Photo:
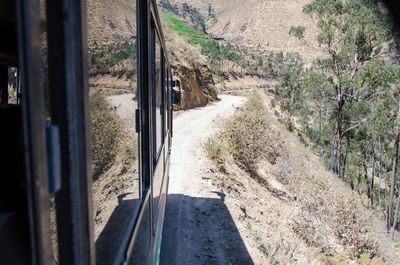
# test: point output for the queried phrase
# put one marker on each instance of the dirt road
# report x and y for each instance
(198, 226)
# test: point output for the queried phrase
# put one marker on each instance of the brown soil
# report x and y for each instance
(290, 214)
(116, 192)
(110, 21)
(263, 24)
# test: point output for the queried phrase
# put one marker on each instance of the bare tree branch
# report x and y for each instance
(355, 126)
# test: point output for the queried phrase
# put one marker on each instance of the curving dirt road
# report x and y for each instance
(198, 227)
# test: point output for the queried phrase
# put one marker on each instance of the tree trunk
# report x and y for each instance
(366, 176)
(345, 158)
(387, 215)
(372, 176)
(338, 139)
(392, 180)
(396, 214)
(378, 173)
(320, 123)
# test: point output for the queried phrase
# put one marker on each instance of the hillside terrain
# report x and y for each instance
(112, 54)
(255, 187)
(292, 210)
(321, 219)
(262, 24)
(191, 67)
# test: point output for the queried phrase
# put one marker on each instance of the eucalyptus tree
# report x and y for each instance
(289, 87)
(318, 88)
(352, 33)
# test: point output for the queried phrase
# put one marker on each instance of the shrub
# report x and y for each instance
(103, 58)
(249, 135)
(352, 231)
(106, 133)
(129, 149)
(246, 136)
(297, 32)
(214, 148)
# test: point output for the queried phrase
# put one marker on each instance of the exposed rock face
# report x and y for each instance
(197, 83)
(112, 54)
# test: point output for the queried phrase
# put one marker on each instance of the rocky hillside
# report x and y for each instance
(191, 67)
(261, 23)
(112, 50)
(104, 27)
(112, 53)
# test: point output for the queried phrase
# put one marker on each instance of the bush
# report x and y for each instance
(352, 231)
(214, 148)
(106, 134)
(249, 135)
(103, 58)
(129, 149)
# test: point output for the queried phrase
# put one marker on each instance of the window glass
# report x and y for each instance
(165, 99)
(46, 100)
(157, 98)
(112, 57)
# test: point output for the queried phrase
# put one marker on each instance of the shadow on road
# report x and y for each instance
(109, 241)
(196, 231)
(201, 231)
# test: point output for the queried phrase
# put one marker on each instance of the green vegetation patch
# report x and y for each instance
(347, 104)
(102, 58)
(181, 27)
(210, 47)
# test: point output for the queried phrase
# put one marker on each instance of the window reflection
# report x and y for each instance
(113, 86)
(157, 97)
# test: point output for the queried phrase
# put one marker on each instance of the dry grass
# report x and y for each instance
(106, 132)
(129, 150)
(263, 25)
(329, 222)
(294, 211)
(246, 136)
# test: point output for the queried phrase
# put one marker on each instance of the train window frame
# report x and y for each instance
(165, 96)
(69, 93)
(157, 129)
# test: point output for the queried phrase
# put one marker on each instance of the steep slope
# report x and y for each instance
(188, 64)
(111, 26)
(262, 23)
(293, 210)
(112, 52)
(104, 27)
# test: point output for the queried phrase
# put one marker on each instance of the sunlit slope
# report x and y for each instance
(110, 21)
(262, 23)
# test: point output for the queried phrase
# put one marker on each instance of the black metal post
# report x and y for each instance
(33, 126)
(4, 83)
(69, 107)
(145, 97)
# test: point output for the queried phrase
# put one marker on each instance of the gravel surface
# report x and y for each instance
(198, 227)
